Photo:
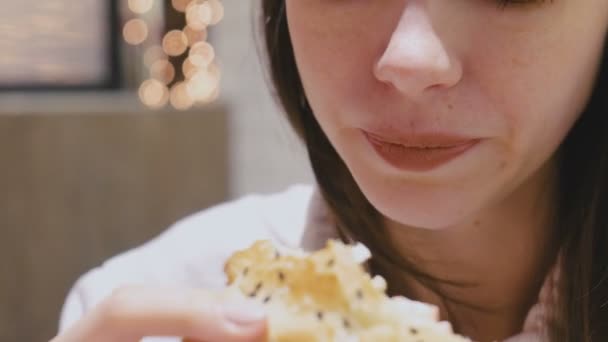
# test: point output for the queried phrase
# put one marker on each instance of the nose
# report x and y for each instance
(416, 59)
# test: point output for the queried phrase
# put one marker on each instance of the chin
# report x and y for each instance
(423, 216)
(436, 200)
(430, 221)
(423, 206)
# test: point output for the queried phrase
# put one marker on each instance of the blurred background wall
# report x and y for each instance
(262, 142)
(87, 171)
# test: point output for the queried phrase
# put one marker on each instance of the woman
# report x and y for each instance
(462, 141)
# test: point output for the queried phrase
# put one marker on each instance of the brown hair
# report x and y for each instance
(582, 218)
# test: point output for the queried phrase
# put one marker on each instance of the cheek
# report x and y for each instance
(539, 83)
(336, 59)
(525, 90)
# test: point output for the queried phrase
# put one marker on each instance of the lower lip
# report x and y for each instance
(418, 159)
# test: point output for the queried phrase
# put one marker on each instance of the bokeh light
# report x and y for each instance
(201, 74)
(202, 54)
(180, 5)
(214, 70)
(189, 69)
(135, 31)
(180, 98)
(217, 11)
(199, 15)
(202, 86)
(175, 43)
(214, 96)
(163, 71)
(154, 93)
(195, 36)
(141, 6)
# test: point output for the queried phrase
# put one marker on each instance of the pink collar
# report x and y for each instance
(534, 329)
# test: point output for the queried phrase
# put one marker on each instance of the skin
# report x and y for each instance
(133, 312)
(516, 77)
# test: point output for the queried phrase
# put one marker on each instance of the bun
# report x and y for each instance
(328, 296)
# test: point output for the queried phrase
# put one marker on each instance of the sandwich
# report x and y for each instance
(327, 296)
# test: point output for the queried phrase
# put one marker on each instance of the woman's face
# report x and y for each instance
(442, 108)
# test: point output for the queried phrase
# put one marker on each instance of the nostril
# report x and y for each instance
(413, 76)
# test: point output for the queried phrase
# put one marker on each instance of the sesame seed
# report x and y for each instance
(257, 289)
(359, 294)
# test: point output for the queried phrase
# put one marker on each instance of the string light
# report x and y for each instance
(199, 14)
(179, 98)
(195, 36)
(135, 31)
(163, 71)
(201, 73)
(217, 11)
(202, 86)
(175, 43)
(202, 54)
(188, 68)
(180, 5)
(154, 93)
(214, 70)
(141, 6)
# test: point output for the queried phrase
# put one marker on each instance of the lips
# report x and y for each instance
(419, 152)
(421, 141)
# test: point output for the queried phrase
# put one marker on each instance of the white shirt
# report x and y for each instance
(193, 251)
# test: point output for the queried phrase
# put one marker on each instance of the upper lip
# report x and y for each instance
(422, 140)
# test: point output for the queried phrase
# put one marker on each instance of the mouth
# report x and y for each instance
(421, 152)
(421, 141)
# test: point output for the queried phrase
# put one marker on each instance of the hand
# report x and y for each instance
(134, 312)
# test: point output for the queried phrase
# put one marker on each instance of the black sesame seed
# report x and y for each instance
(257, 289)
(346, 323)
(267, 299)
(281, 276)
(413, 331)
(320, 315)
(359, 294)
(331, 262)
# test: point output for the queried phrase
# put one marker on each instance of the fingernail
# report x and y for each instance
(244, 313)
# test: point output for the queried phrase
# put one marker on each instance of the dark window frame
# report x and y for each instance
(113, 79)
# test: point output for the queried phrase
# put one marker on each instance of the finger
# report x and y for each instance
(134, 312)
(526, 338)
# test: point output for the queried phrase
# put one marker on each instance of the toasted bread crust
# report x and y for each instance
(328, 296)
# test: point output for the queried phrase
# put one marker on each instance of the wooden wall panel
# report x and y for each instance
(76, 189)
